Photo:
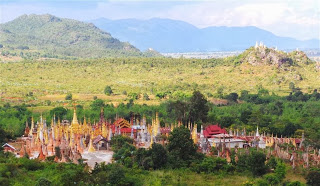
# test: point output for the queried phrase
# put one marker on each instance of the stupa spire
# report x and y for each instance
(74, 119)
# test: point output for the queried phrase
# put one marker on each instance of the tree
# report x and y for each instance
(244, 95)
(68, 96)
(198, 108)
(133, 95)
(256, 163)
(178, 110)
(159, 156)
(181, 147)
(59, 112)
(313, 178)
(97, 104)
(108, 91)
(232, 97)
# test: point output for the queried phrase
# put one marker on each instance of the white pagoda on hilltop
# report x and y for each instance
(259, 45)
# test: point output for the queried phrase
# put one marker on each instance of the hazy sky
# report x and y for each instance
(293, 18)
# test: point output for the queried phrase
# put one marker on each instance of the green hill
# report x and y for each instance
(34, 36)
(53, 79)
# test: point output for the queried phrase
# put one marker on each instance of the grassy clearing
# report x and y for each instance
(52, 80)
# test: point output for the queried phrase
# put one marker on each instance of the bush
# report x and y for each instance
(147, 163)
(272, 163)
(294, 183)
(313, 178)
(146, 96)
(280, 170)
(272, 179)
(31, 165)
(133, 95)
(211, 165)
(43, 182)
(108, 91)
(68, 96)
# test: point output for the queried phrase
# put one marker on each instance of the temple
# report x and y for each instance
(75, 140)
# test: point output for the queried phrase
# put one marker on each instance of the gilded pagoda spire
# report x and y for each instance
(32, 127)
(74, 119)
(91, 148)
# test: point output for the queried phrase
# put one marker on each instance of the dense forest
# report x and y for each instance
(46, 36)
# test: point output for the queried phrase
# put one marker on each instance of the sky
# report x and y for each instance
(299, 19)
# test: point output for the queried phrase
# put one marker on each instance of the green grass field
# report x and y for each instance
(52, 80)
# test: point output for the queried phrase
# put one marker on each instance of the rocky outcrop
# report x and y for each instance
(262, 55)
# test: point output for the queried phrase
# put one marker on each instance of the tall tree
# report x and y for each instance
(181, 147)
(198, 108)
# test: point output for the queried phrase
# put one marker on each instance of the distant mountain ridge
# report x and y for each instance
(166, 35)
(51, 36)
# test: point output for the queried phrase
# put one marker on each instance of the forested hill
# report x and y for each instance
(50, 36)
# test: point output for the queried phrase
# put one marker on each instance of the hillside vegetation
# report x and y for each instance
(53, 79)
(47, 36)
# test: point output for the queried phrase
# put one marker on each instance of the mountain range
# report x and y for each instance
(167, 35)
(51, 36)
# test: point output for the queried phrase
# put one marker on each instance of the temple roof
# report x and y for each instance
(122, 123)
(213, 130)
(8, 145)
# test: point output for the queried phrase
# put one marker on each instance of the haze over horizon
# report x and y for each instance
(297, 19)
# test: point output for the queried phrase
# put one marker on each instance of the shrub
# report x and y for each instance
(147, 163)
(146, 96)
(43, 182)
(210, 165)
(272, 179)
(294, 183)
(313, 178)
(108, 91)
(31, 165)
(133, 95)
(272, 163)
(68, 96)
(280, 170)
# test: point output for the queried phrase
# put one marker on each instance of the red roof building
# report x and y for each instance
(124, 125)
(213, 130)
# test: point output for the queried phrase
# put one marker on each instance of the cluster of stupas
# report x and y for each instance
(68, 141)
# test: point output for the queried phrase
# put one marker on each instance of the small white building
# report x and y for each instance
(227, 139)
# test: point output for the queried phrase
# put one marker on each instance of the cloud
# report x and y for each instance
(294, 18)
